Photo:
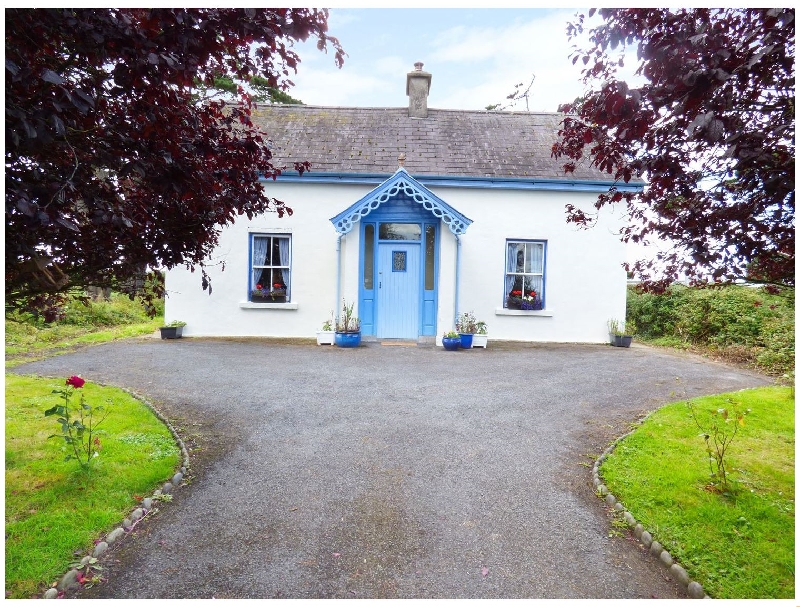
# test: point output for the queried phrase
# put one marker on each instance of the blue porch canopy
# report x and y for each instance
(401, 185)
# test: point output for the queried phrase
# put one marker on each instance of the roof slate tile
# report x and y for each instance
(459, 143)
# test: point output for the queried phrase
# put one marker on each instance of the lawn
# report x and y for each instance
(738, 544)
(53, 507)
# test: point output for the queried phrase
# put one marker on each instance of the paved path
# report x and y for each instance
(389, 471)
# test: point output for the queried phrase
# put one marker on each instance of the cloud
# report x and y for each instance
(500, 57)
(476, 58)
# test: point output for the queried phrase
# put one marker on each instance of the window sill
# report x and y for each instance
(249, 305)
(507, 312)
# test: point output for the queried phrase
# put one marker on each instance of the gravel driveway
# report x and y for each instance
(401, 471)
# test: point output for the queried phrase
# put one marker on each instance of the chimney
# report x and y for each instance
(418, 84)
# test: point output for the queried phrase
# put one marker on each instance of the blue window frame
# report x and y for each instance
(270, 268)
(525, 274)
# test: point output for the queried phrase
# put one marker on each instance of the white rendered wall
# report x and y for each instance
(585, 282)
(313, 290)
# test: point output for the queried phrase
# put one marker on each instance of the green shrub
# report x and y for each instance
(740, 323)
(118, 310)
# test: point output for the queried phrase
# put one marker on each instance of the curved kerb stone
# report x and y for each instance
(694, 589)
(69, 581)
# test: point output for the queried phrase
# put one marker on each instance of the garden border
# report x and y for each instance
(69, 581)
(655, 548)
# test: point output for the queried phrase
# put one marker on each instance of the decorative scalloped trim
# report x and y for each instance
(412, 190)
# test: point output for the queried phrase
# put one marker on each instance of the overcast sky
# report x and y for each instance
(476, 57)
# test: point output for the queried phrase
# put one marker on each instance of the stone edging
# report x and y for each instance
(70, 580)
(694, 589)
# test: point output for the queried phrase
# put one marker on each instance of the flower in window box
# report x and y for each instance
(516, 300)
(276, 294)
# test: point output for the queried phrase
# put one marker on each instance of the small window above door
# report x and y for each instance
(400, 231)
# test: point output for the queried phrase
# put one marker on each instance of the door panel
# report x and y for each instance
(398, 290)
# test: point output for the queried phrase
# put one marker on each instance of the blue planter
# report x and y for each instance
(466, 340)
(451, 343)
(347, 340)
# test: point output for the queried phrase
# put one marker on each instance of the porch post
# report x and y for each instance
(458, 277)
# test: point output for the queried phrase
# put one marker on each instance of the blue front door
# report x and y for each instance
(398, 290)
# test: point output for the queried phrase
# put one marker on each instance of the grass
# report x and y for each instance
(738, 545)
(84, 324)
(53, 507)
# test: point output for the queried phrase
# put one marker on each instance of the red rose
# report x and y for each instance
(277, 285)
(516, 292)
(75, 381)
(258, 287)
(533, 293)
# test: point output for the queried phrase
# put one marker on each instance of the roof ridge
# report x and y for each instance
(294, 106)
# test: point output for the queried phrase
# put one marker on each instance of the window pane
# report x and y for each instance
(519, 251)
(400, 231)
(398, 261)
(534, 257)
(271, 267)
(430, 259)
(369, 252)
(260, 250)
(524, 277)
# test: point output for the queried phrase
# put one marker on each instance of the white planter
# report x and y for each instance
(325, 338)
(479, 341)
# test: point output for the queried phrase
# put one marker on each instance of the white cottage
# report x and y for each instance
(414, 215)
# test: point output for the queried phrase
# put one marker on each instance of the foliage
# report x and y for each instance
(467, 323)
(482, 328)
(176, 323)
(54, 509)
(740, 323)
(616, 328)
(711, 130)
(262, 291)
(517, 300)
(84, 321)
(112, 165)
(260, 90)
(718, 428)
(80, 433)
(737, 546)
(451, 335)
(347, 322)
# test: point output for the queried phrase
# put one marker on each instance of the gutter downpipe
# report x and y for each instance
(458, 277)
(338, 277)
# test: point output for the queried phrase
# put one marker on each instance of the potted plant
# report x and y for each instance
(173, 330)
(267, 294)
(348, 328)
(451, 340)
(481, 337)
(467, 326)
(517, 300)
(616, 333)
(327, 335)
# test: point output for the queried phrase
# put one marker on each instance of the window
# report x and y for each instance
(524, 288)
(270, 263)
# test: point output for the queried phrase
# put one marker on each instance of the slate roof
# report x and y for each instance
(447, 143)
